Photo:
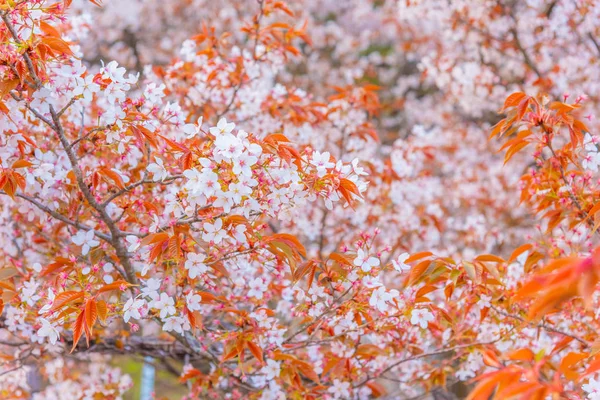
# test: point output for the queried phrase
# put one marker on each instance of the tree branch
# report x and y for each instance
(25, 55)
(61, 217)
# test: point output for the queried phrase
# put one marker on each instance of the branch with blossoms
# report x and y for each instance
(234, 209)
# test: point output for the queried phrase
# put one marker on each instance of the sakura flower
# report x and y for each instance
(86, 240)
(154, 93)
(365, 262)
(421, 317)
(192, 130)
(42, 100)
(592, 388)
(133, 241)
(322, 162)
(113, 71)
(229, 146)
(131, 309)
(257, 288)
(214, 232)
(271, 370)
(205, 182)
(340, 389)
(157, 169)
(48, 330)
(382, 299)
(192, 301)
(485, 300)
(239, 233)
(591, 160)
(195, 264)
(86, 88)
(237, 191)
(344, 324)
(224, 201)
(446, 335)
(108, 268)
(48, 305)
(357, 169)
(243, 164)
(399, 263)
(154, 225)
(176, 324)
(29, 292)
(222, 127)
(151, 288)
(165, 304)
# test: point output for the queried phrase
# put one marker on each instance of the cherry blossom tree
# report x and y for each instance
(300, 199)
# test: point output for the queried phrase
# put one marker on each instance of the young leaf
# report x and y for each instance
(78, 327)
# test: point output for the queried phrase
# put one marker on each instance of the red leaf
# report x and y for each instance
(78, 327)
(418, 256)
(102, 310)
(256, 351)
(64, 298)
(58, 45)
(116, 285)
(91, 314)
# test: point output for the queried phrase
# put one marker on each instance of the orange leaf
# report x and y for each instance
(514, 150)
(340, 259)
(594, 366)
(425, 290)
(154, 238)
(520, 250)
(521, 355)
(58, 45)
(112, 175)
(78, 329)
(55, 266)
(65, 298)
(517, 388)
(91, 313)
(417, 271)
(569, 363)
(190, 374)
(483, 390)
(21, 164)
(377, 390)
(369, 350)
(418, 256)
(49, 29)
(144, 133)
(513, 100)
(102, 310)
(489, 258)
(256, 351)
(231, 354)
(116, 285)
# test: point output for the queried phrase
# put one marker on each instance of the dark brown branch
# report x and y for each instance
(593, 39)
(528, 61)
(419, 356)
(60, 217)
(116, 234)
(139, 183)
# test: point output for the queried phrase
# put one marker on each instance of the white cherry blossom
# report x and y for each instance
(86, 240)
(421, 317)
(364, 261)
